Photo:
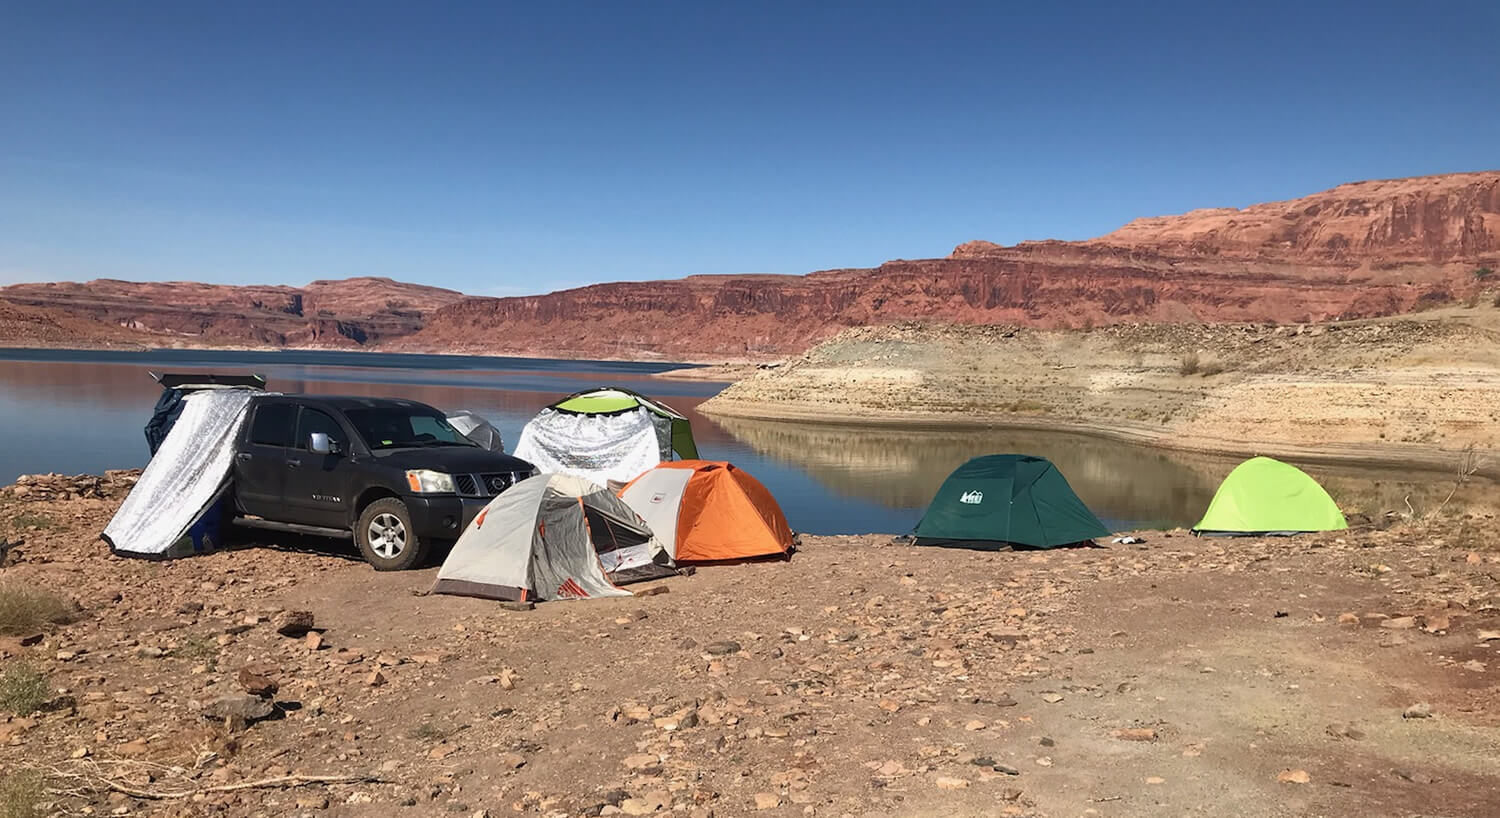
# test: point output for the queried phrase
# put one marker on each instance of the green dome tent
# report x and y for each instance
(1000, 500)
(1263, 496)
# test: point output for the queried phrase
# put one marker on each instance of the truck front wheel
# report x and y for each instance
(386, 538)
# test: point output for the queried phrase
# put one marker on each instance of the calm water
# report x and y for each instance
(75, 412)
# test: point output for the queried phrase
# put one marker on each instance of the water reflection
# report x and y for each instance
(71, 413)
(1126, 485)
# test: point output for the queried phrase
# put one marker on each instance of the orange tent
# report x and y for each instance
(704, 511)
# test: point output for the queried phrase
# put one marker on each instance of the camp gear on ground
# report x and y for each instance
(708, 511)
(168, 513)
(1265, 496)
(552, 536)
(474, 427)
(175, 387)
(1001, 500)
(605, 434)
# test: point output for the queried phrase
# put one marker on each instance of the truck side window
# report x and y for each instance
(273, 424)
(316, 420)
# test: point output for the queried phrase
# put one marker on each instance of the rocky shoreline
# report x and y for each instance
(1414, 393)
(1347, 673)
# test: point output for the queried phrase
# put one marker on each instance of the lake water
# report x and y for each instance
(82, 411)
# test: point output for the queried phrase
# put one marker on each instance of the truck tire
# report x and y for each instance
(386, 538)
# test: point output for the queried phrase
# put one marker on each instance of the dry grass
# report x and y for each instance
(23, 689)
(21, 794)
(1189, 364)
(26, 610)
(31, 520)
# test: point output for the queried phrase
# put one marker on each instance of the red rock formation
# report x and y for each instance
(1359, 250)
(1362, 249)
(349, 313)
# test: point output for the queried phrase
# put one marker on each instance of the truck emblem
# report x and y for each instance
(973, 498)
(497, 484)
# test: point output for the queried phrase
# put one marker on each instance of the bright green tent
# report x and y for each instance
(1000, 500)
(613, 399)
(1265, 496)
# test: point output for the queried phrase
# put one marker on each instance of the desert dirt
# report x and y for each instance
(1350, 673)
(1416, 390)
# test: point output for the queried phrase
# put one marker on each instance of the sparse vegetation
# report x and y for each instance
(25, 610)
(1484, 273)
(429, 731)
(199, 650)
(1211, 367)
(21, 794)
(1497, 300)
(23, 689)
(30, 520)
(1189, 364)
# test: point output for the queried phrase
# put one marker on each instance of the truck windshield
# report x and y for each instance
(402, 428)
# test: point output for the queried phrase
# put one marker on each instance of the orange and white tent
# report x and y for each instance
(706, 511)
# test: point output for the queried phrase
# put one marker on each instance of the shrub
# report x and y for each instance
(1211, 368)
(21, 794)
(1483, 273)
(23, 609)
(27, 519)
(23, 689)
(1189, 364)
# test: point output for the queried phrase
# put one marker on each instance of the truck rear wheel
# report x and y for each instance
(386, 538)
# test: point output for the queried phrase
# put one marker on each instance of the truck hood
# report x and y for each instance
(452, 460)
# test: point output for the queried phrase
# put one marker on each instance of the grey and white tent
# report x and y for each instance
(181, 489)
(552, 536)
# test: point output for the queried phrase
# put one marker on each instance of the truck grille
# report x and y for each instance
(486, 485)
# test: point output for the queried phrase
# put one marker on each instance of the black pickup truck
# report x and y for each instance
(392, 472)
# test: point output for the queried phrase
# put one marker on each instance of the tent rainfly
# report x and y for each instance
(706, 511)
(553, 536)
(1262, 496)
(1002, 500)
(606, 434)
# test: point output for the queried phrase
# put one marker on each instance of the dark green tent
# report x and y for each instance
(1001, 500)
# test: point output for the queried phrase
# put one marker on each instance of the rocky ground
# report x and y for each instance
(1345, 674)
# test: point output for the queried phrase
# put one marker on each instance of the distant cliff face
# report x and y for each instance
(1359, 250)
(348, 313)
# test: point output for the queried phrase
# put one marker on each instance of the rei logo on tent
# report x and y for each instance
(973, 498)
(570, 589)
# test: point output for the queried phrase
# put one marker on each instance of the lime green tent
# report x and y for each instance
(1001, 500)
(1265, 496)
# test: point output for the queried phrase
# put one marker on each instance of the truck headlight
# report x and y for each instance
(427, 481)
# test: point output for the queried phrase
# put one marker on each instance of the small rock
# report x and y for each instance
(510, 761)
(1135, 734)
(517, 606)
(257, 684)
(1399, 623)
(1420, 710)
(724, 648)
(293, 623)
(1293, 777)
(1348, 731)
(1052, 698)
(313, 640)
(976, 724)
(641, 761)
(1155, 779)
(238, 707)
(1348, 619)
(375, 679)
(767, 800)
(653, 590)
(945, 782)
(1414, 776)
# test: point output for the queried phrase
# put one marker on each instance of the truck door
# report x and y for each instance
(260, 464)
(317, 484)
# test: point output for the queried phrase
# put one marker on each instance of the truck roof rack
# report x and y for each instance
(202, 379)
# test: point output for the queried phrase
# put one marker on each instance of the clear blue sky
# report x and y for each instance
(500, 149)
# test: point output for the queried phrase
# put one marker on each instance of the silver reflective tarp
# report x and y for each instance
(474, 427)
(185, 478)
(601, 448)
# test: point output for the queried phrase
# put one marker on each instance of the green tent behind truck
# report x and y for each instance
(1263, 496)
(1002, 500)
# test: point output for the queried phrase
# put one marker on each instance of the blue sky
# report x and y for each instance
(506, 148)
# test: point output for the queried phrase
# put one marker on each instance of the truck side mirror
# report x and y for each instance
(320, 443)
